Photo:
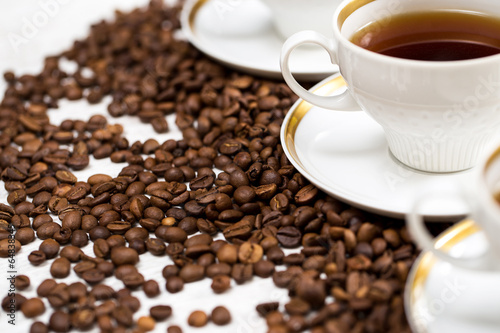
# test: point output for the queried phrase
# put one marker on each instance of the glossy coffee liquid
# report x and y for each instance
(433, 36)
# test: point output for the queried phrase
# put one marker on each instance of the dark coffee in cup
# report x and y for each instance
(432, 35)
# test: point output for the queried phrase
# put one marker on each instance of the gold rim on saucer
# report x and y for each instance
(327, 88)
(426, 261)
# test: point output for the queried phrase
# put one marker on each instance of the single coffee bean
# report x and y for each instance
(289, 237)
(60, 321)
(174, 284)
(146, 323)
(25, 235)
(22, 282)
(33, 307)
(133, 281)
(160, 312)
(174, 329)
(124, 256)
(265, 308)
(221, 316)
(60, 268)
(93, 276)
(250, 253)
(39, 327)
(197, 319)
(13, 301)
(46, 287)
(192, 273)
(151, 288)
(50, 247)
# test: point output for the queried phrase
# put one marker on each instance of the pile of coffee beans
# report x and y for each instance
(170, 200)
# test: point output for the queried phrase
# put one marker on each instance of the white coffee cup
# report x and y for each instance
(485, 212)
(437, 116)
(291, 16)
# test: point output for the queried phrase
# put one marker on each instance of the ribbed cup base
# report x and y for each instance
(437, 155)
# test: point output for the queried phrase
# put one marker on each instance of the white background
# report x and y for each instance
(71, 20)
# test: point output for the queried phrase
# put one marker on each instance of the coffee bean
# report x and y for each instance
(93, 276)
(249, 253)
(33, 307)
(160, 312)
(220, 283)
(13, 301)
(289, 237)
(60, 268)
(192, 273)
(197, 319)
(174, 284)
(124, 256)
(146, 323)
(39, 327)
(50, 248)
(264, 308)
(263, 268)
(45, 287)
(174, 329)
(22, 282)
(59, 321)
(25, 235)
(221, 316)
(151, 288)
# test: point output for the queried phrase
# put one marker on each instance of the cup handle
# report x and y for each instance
(342, 102)
(423, 238)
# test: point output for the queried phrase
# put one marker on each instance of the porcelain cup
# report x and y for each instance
(437, 116)
(482, 195)
(291, 16)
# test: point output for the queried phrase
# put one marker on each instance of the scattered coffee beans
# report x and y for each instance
(168, 201)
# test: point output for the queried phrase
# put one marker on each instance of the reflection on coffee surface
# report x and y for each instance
(433, 35)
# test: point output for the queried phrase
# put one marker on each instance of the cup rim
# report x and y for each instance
(395, 60)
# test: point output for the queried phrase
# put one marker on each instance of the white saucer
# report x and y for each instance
(346, 155)
(442, 298)
(240, 34)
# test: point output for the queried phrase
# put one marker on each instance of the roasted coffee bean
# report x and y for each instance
(192, 273)
(59, 321)
(25, 235)
(60, 268)
(72, 253)
(50, 247)
(242, 273)
(220, 283)
(133, 281)
(263, 268)
(8, 248)
(39, 327)
(151, 288)
(22, 282)
(33, 307)
(79, 238)
(220, 316)
(124, 256)
(13, 301)
(47, 230)
(264, 308)
(93, 276)
(160, 312)
(174, 284)
(174, 329)
(289, 237)
(250, 253)
(197, 319)
(101, 248)
(155, 246)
